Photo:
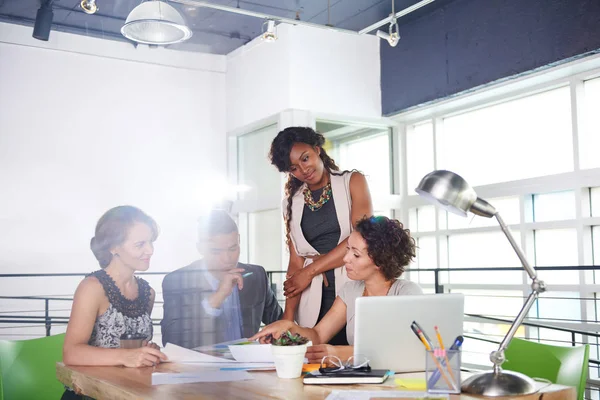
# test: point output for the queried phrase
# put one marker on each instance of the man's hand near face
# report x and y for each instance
(229, 279)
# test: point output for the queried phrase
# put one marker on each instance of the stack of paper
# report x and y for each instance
(182, 355)
(252, 352)
(159, 378)
(370, 394)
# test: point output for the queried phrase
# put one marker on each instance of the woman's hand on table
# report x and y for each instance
(152, 345)
(145, 356)
(316, 353)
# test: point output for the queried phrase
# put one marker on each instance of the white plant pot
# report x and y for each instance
(289, 360)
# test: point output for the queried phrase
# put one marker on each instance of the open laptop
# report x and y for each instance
(382, 328)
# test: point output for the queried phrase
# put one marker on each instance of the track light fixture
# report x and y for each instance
(392, 37)
(269, 35)
(43, 21)
(89, 6)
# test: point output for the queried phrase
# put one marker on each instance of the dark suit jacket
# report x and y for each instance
(185, 322)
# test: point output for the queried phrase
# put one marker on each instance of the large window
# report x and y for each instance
(518, 139)
(518, 152)
(419, 160)
(365, 149)
(258, 208)
(589, 135)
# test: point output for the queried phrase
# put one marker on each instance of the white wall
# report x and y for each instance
(335, 73)
(87, 124)
(306, 68)
(82, 131)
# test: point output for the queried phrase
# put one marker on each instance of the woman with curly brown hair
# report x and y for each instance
(376, 255)
(320, 207)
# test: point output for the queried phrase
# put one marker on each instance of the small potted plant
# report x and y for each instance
(288, 353)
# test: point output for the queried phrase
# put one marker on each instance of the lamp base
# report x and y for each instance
(503, 383)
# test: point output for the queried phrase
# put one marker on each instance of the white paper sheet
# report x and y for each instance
(160, 378)
(250, 353)
(182, 355)
(368, 394)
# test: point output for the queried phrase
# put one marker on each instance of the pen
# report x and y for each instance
(247, 274)
(418, 327)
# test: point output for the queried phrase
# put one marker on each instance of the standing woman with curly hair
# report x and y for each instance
(320, 208)
(377, 253)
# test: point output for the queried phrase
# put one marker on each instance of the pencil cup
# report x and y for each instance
(442, 371)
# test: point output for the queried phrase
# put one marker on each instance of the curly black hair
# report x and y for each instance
(280, 158)
(389, 245)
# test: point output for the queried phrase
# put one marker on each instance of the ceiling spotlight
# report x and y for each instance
(392, 37)
(269, 35)
(155, 22)
(43, 21)
(89, 6)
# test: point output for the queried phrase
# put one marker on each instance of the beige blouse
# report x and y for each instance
(354, 289)
(310, 301)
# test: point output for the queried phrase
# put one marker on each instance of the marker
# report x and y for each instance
(247, 274)
(457, 343)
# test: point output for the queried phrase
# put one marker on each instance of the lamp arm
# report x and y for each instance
(537, 287)
(497, 356)
(530, 271)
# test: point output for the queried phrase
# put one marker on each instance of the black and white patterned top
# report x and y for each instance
(123, 316)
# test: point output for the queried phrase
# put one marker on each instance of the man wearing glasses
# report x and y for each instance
(216, 299)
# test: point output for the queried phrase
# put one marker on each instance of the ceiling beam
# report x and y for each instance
(399, 14)
(235, 10)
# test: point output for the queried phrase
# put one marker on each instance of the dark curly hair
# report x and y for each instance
(389, 245)
(280, 158)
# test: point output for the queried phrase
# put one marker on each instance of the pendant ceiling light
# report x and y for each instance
(155, 22)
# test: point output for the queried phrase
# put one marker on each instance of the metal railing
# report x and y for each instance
(48, 320)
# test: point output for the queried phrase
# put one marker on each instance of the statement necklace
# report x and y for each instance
(315, 205)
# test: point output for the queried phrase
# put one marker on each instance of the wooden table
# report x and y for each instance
(136, 383)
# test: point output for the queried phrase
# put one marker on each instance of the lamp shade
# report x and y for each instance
(155, 22)
(448, 191)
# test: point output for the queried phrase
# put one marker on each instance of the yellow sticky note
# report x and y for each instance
(414, 384)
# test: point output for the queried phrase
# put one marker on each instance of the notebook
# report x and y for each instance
(347, 377)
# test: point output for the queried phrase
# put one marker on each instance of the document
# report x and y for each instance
(252, 352)
(370, 394)
(182, 355)
(160, 378)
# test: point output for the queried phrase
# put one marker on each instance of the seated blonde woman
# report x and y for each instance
(112, 302)
(377, 253)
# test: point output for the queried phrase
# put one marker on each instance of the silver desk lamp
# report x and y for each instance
(452, 193)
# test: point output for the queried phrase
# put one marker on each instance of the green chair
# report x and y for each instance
(562, 365)
(28, 368)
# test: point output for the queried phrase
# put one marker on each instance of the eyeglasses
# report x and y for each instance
(354, 363)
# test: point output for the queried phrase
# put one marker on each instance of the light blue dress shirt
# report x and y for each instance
(230, 309)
